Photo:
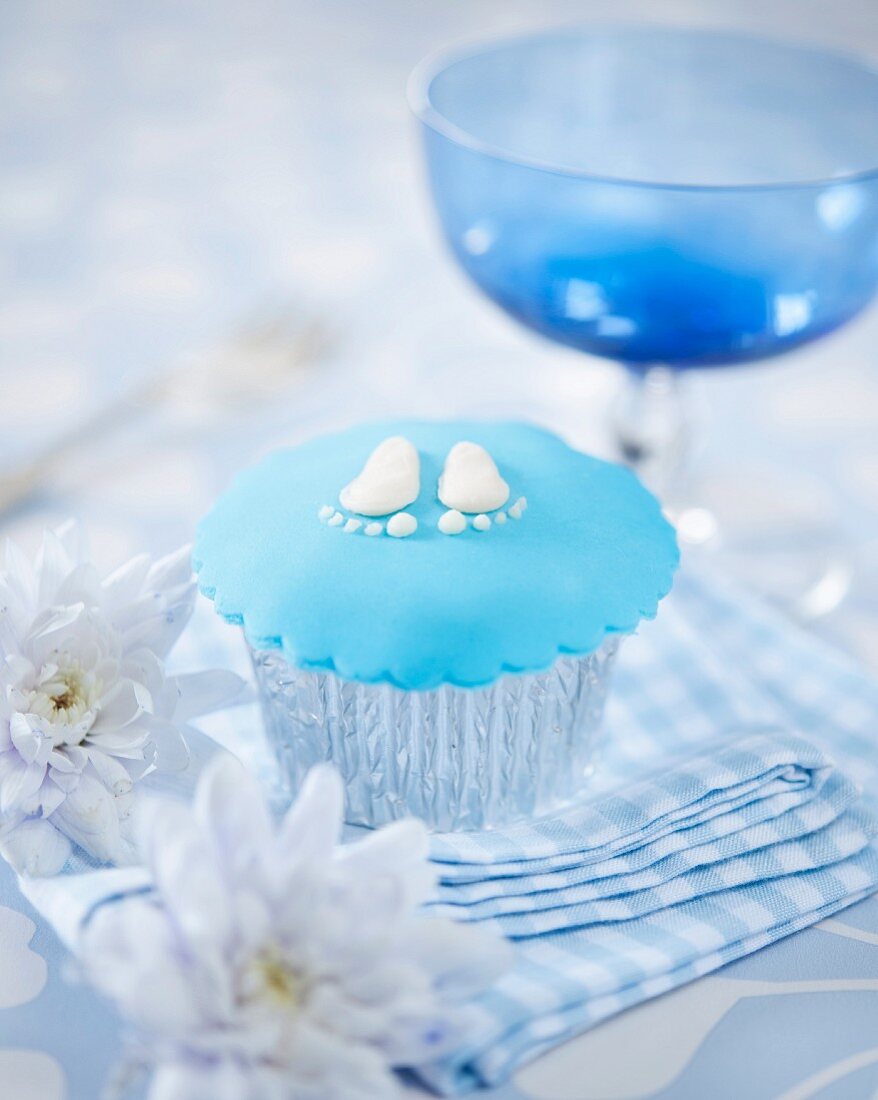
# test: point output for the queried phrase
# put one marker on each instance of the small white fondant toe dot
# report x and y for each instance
(325, 512)
(336, 519)
(452, 522)
(373, 529)
(482, 522)
(500, 517)
(402, 525)
(352, 525)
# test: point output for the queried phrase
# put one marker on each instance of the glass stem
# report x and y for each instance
(651, 427)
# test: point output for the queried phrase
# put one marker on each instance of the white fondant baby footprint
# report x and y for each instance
(470, 485)
(390, 480)
(470, 481)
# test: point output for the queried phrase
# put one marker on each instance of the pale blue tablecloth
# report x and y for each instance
(166, 173)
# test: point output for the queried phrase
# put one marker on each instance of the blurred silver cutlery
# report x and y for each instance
(266, 356)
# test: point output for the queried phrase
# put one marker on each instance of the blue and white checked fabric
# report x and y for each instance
(763, 808)
(730, 777)
(716, 824)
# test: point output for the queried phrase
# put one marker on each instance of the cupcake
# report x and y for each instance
(435, 607)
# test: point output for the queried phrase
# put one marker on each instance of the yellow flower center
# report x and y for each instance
(64, 696)
(271, 977)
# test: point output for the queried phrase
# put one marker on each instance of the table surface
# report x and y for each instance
(173, 175)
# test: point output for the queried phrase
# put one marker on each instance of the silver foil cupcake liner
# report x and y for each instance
(458, 758)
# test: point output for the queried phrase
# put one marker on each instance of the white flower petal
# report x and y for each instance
(463, 959)
(31, 741)
(8, 627)
(74, 539)
(66, 781)
(35, 848)
(123, 704)
(205, 692)
(51, 797)
(54, 619)
(253, 916)
(384, 979)
(312, 825)
(325, 1064)
(88, 815)
(143, 665)
(20, 577)
(138, 768)
(131, 954)
(110, 772)
(159, 631)
(16, 669)
(18, 781)
(171, 750)
(127, 744)
(52, 629)
(125, 584)
(402, 846)
(357, 1020)
(82, 585)
(231, 809)
(70, 759)
(199, 1081)
(144, 609)
(171, 571)
(53, 564)
(187, 873)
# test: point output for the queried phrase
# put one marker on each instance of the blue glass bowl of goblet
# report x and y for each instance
(678, 197)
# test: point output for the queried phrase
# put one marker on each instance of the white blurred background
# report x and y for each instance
(234, 190)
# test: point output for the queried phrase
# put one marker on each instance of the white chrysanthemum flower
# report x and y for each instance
(275, 963)
(86, 709)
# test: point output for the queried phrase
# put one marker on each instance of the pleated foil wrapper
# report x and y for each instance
(458, 758)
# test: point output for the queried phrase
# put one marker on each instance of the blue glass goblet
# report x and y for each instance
(670, 199)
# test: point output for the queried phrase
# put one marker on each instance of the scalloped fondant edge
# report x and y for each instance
(387, 676)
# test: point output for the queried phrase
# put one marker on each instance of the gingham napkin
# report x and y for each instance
(699, 841)
(715, 825)
(638, 891)
(763, 808)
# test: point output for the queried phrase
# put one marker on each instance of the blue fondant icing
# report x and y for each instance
(591, 556)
